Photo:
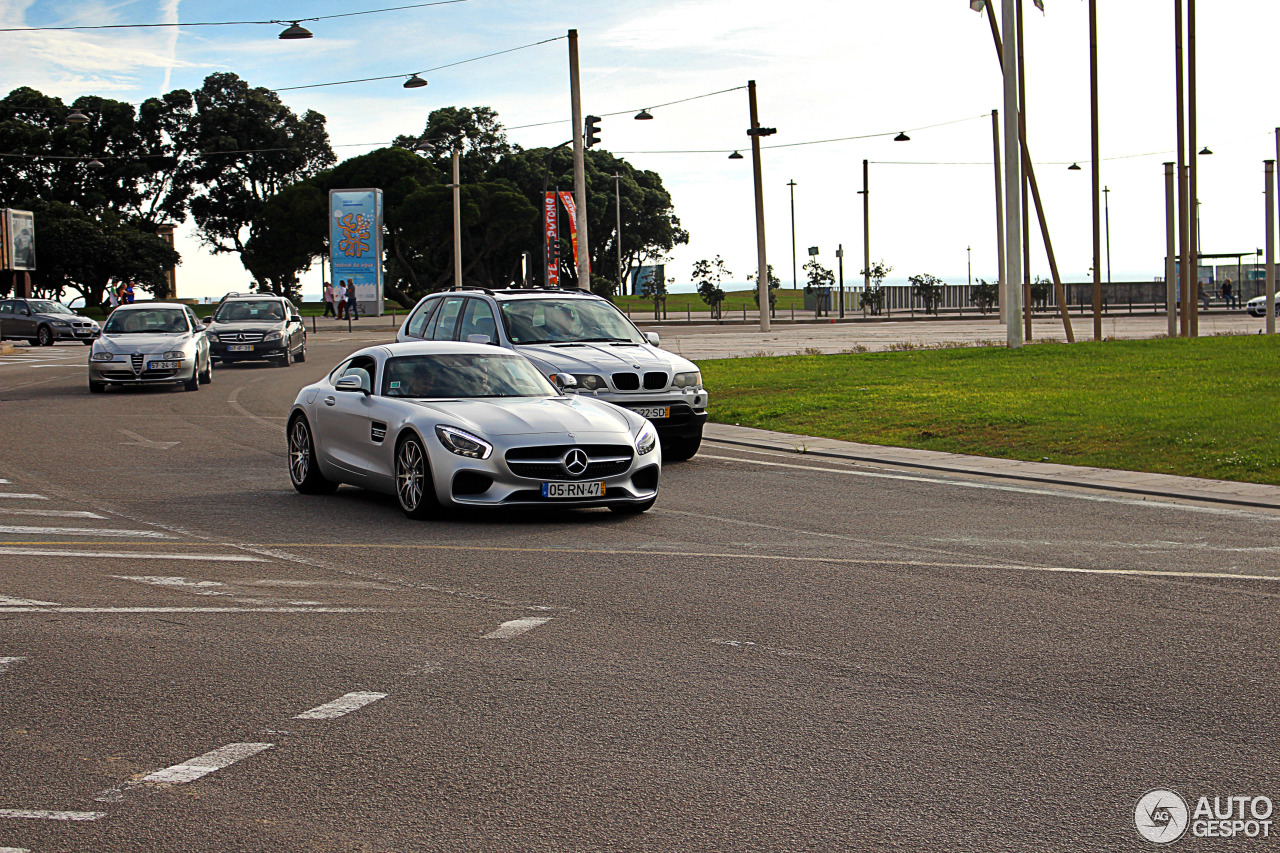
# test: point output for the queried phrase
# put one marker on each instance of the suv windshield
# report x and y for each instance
(552, 320)
(167, 321)
(255, 311)
(47, 306)
(460, 376)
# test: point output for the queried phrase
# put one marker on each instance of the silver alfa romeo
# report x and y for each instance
(467, 424)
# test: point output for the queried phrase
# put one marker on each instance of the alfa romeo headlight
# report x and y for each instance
(646, 440)
(463, 443)
(688, 380)
(273, 336)
(590, 381)
(103, 356)
(176, 355)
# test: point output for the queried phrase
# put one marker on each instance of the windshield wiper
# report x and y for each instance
(601, 340)
(625, 344)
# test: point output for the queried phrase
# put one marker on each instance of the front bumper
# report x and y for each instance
(76, 333)
(688, 411)
(122, 373)
(257, 350)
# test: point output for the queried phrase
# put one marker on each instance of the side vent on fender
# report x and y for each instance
(378, 432)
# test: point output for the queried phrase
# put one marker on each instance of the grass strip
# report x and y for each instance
(1204, 407)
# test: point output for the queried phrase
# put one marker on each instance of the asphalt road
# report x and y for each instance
(784, 654)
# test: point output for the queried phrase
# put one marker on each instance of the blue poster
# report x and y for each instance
(355, 244)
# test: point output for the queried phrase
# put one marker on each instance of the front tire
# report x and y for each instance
(681, 449)
(192, 384)
(302, 353)
(97, 387)
(304, 473)
(206, 376)
(415, 490)
(44, 336)
(287, 359)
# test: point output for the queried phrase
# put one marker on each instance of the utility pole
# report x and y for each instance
(1193, 197)
(840, 258)
(579, 166)
(762, 265)
(1184, 208)
(1170, 252)
(1026, 171)
(617, 202)
(1106, 209)
(1270, 170)
(969, 251)
(866, 239)
(457, 215)
(1096, 170)
(1012, 180)
(794, 274)
(1002, 279)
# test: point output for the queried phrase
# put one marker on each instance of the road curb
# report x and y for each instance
(6, 348)
(1104, 479)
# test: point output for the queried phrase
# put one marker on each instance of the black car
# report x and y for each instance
(43, 322)
(256, 326)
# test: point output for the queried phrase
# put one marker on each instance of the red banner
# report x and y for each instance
(572, 210)
(552, 246)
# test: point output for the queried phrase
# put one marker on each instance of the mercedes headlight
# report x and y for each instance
(590, 381)
(463, 443)
(103, 356)
(273, 336)
(688, 380)
(212, 336)
(646, 440)
(176, 355)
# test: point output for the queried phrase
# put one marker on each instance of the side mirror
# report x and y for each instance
(652, 338)
(478, 339)
(206, 320)
(25, 312)
(295, 318)
(351, 383)
(564, 380)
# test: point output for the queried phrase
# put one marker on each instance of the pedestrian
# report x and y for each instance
(128, 292)
(328, 300)
(340, 299)
(353, 307)
(113, 301)
(1226, 292)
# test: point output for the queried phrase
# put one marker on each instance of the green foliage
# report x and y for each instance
(928, 289)
(816, 275)
(708, 275)
(873, 297)
(984, 295)
(1040, 290)
(774, 284)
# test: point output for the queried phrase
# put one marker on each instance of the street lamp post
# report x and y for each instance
(969, 250)
(1106, 212)
(794, 274)
(617, 202)
(755, 131)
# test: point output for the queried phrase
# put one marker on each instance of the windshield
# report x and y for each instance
(461, 376)
(542, 321)
(141, 321)
(47, 306)
(261, 311)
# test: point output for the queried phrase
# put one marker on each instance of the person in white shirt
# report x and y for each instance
(328, 300)
(340, 299)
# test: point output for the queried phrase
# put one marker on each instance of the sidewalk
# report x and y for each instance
(1127, 482)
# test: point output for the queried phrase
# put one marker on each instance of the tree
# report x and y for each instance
(475, 130)
(252, 147)
(873, 297)
(774, 284)
(928, 289)
(984, 295)
(655, 287)
(1040, 291)
(708, 275)
(817, 275)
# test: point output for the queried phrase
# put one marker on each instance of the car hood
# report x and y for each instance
(246, 326)
(603, 357)
(144, 342)
(529, 416)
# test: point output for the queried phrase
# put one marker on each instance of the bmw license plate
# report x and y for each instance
(165, 365)
(593, 489)
(240, 348)
(652, 412)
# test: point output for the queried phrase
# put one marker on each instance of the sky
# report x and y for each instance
(825, 70)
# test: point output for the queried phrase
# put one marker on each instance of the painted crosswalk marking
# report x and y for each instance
(52, 513)
(295, 609)
(6, 601)
(23, 496)
(131, 555)
(82, 531)
(341, 706)
(516, 627)
(5, 663)
(189, 770)
(40, 814)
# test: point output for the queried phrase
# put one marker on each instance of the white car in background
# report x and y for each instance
(1257, 306)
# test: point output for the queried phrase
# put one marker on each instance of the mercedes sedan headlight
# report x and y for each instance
(646, 440)
(103, 356)
(688, 380)
(463, 443)
(273, 336)
(212, 336)
(176, 355)
(590, 381)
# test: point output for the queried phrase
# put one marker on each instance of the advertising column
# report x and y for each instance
(355, 244)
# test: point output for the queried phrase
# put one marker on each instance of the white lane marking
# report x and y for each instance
(23, 497)
(14, 850)
(341, 706)
(35, 814)
(941, 480)
(6, 601)
(57, 513)
(203, 765)
(3, 480)
(128, 555)
(139, 441)
(81, 531)
(516, 627)
(195, 610)
(234, 402)
(196, 587)
(5, 663)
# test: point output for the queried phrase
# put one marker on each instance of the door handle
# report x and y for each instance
(329, 401)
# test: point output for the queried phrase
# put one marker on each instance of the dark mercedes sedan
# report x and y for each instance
(256, 327)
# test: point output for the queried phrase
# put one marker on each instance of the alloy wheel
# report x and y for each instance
(299, 451)
(410, 475)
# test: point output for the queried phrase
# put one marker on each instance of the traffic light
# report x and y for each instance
(593, 130)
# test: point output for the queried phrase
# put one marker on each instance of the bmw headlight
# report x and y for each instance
(273, 336)
(176, 355)
(103, 356)
(463, 443)
(688, 380)
(646, 440)
(61, 323)
(590, 381)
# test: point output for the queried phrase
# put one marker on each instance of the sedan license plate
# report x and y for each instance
(593, 489)
(165, 365)
(239, 347)
(652, 412)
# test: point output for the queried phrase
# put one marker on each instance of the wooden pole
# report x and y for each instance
(1003, 277)
(1170, 252)
(1097, 168)
(579, 166)
(762, 263)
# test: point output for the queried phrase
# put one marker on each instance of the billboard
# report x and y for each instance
(355, 244)
(646, 280)
(17, 240)
(551, 239)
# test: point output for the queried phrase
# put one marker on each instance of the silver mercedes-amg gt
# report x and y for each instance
(467, 424)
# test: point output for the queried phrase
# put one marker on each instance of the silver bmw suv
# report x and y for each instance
(584, 344)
